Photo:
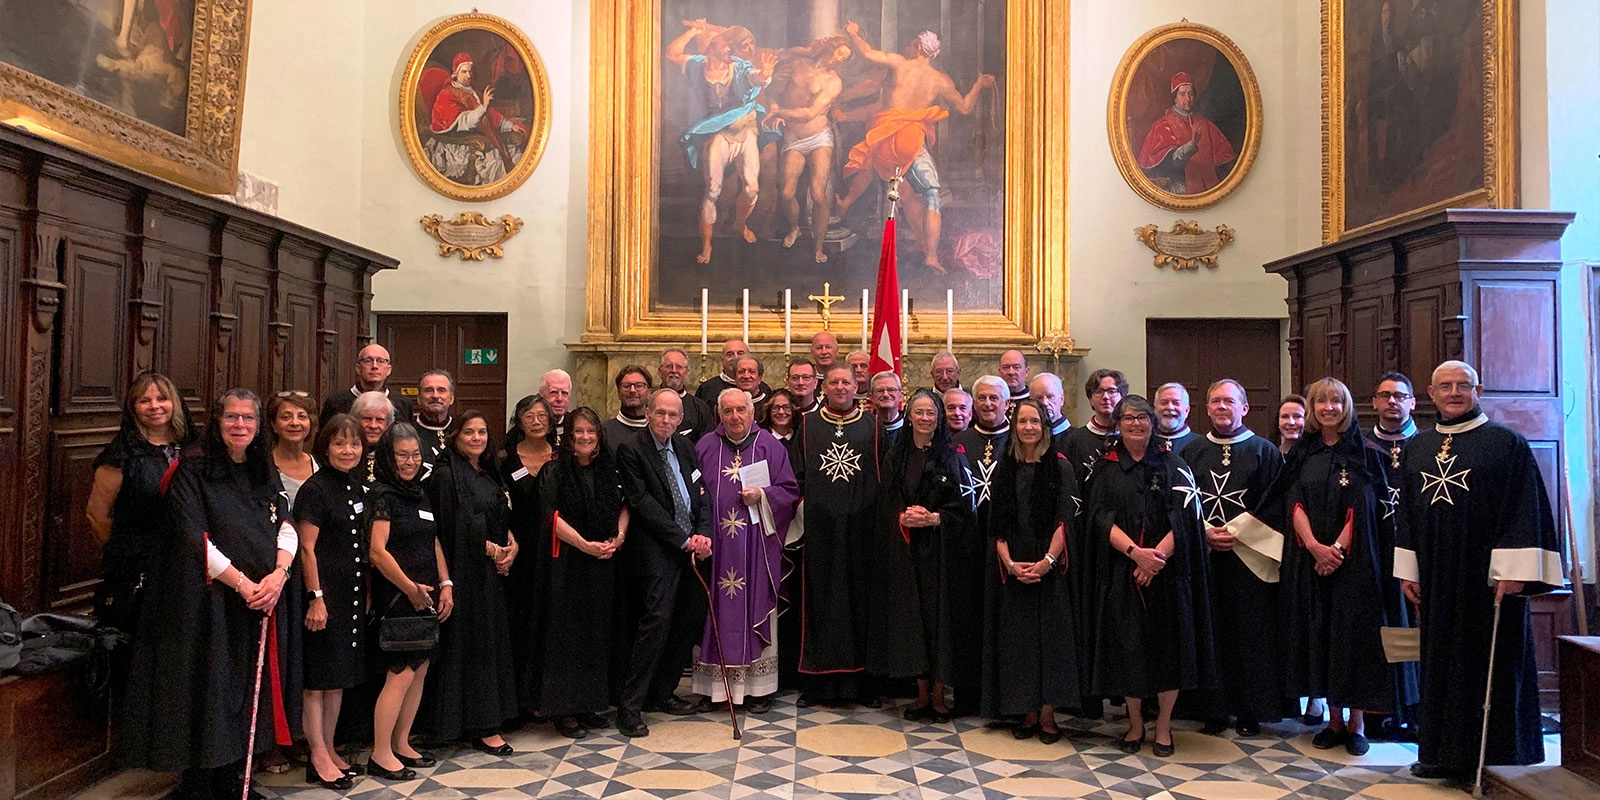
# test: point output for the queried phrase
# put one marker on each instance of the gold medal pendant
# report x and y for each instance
(1227, 455)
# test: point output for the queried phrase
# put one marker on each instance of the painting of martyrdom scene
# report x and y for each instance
(474, 101)
(782, 123)
(1414, 97)
(131, 55)
(1188, 126)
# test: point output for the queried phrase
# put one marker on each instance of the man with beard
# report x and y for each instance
(957, 410)
(946, 372)
(1105, 388)
(983, 445)
(1233, 468)
(861, 368)
(673, 370)
(633, 393)
(1046, 388)
(1014, 371)
(887, 397)
(798, 102)
(436, 394)
(1394, 401)
(824, 349)
(801, 380)
(747, 372)
(840, 449)
(555, 387)
(732, 351)
(1478, 529)
(1172, 418)
(372, 375)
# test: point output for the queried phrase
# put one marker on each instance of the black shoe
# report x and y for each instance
(673, 705)
(1432, 772)
(1131, 746)
(804, 701)
(872, 702)
(1049, 737)
(570, 728)
(940, 717)
(1024, 732)
(1215, 727)
(593, 721)
(355, 770)
(917, 713)
(1357, 745)
(758, 705)
(629, 724)
(1328, 738)
(502, 749)
(1248, 727)
(1160, 750)
(339, 784)
(377, 770)
(423, 760)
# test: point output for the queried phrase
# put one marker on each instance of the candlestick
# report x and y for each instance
(747, 317)
(705, 314)
(950, 320)
(865, 332)
(788, 325)
(905, 319)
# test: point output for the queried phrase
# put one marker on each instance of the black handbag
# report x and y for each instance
(406, 630)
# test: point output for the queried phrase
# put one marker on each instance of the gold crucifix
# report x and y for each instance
(826, 299)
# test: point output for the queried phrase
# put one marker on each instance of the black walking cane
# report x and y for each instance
(716, 636)
(255, 709)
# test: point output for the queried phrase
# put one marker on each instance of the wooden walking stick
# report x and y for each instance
(1488, 692)
(1575, 565)
(255, 709)
(716, 636)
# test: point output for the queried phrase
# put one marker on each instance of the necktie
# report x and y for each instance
(680, 508)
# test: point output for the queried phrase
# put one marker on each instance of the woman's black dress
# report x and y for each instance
(189, 696)
(522, 584)
(335, 657)
(578, 598)
(1332, 646)
(1155, 638)
(472, 686)
(135, 525)
(1031, 657)
(412, 533)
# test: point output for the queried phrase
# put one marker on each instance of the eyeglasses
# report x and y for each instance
(369, 360)
(886, 390)
(293, 394)
(633, 386)
(230, 417)
(1136, 418)
(1101, 391)
(785, 409)
(1387, 396)
(1461, 386)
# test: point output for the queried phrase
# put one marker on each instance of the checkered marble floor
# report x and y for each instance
(845, 754)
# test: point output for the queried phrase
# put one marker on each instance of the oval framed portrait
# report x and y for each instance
(474, 107)
(1184, 117)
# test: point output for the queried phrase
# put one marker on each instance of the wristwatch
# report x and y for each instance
(1129, 551)
(314, 594)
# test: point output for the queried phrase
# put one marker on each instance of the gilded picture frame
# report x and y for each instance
(1391, 151)
(625, 132)
(125, 55)
(1184, 116)
(460, 145)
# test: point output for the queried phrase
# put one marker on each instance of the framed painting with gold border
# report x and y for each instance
(1419, 110)
(997, 141)
(1184, 116)
(474, 107)
(158, 87)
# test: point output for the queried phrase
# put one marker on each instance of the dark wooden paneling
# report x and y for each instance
(1198, 352)
(1515, 335)
(185, 332)
(93, 345)
(1580, 705)
(72, 560)
(420, 342)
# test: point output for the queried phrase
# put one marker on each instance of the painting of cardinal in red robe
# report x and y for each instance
(1183, 150)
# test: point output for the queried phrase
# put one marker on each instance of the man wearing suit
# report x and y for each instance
(672, 523)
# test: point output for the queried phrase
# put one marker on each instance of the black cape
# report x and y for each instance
(1148, 639)
(983, 451)
(136, 530)
(522, 592)
(1332, 646)
(1476, 512)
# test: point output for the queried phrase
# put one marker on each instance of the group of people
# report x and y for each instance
(968, 547)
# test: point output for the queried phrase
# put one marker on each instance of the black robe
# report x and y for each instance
(1148, 639)
(698, 417)
(1394, 444)
(522, 595)
(190, 691)
(1475, 513)
(1177, 443)
(1030, 636)
(615, 430)
(789, 588)
(983, 451)
(340, 401)
(434, 443)
(472, 687)
(715, 385)
(1233, 474)
(912, 628)
(839, 481)
(1083, 447)
(1332, 647)
(136, 531)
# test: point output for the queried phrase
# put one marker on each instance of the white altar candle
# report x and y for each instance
(905, 319)
(788, 325)
(950, 320)
(705, 316)
(865, 330)
(747, 317)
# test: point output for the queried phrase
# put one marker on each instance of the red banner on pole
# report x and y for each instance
(886, 344)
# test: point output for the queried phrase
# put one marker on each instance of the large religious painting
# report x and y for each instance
(1184, 116)
(157, 85)
(474, 107)
(753, 144)
(1420, 109)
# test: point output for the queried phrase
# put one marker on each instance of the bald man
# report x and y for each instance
(372, 375)
(1014, 371)
(824, 350)
(732, 351)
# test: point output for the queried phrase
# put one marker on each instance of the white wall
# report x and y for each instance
(1276, 211)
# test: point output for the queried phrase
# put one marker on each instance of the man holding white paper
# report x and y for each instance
(1233, 468)
(753, 491)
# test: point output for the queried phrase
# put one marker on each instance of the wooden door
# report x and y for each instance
(1197, 352)
(422, 341)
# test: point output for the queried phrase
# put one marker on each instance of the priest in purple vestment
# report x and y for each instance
(753, 493)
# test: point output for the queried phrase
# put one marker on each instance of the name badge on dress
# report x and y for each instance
(694, 476)
(522, 472)
(358, 507)
(425, 514)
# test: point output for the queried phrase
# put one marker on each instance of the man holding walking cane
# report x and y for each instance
(1477, 539)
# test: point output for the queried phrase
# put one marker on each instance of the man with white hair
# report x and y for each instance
(1478, 532)
(1046, 388)
(946, 372)
(1172, 418)
(672, 371)
(555, 387)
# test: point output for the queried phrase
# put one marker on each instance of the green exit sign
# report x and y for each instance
(482, 355)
